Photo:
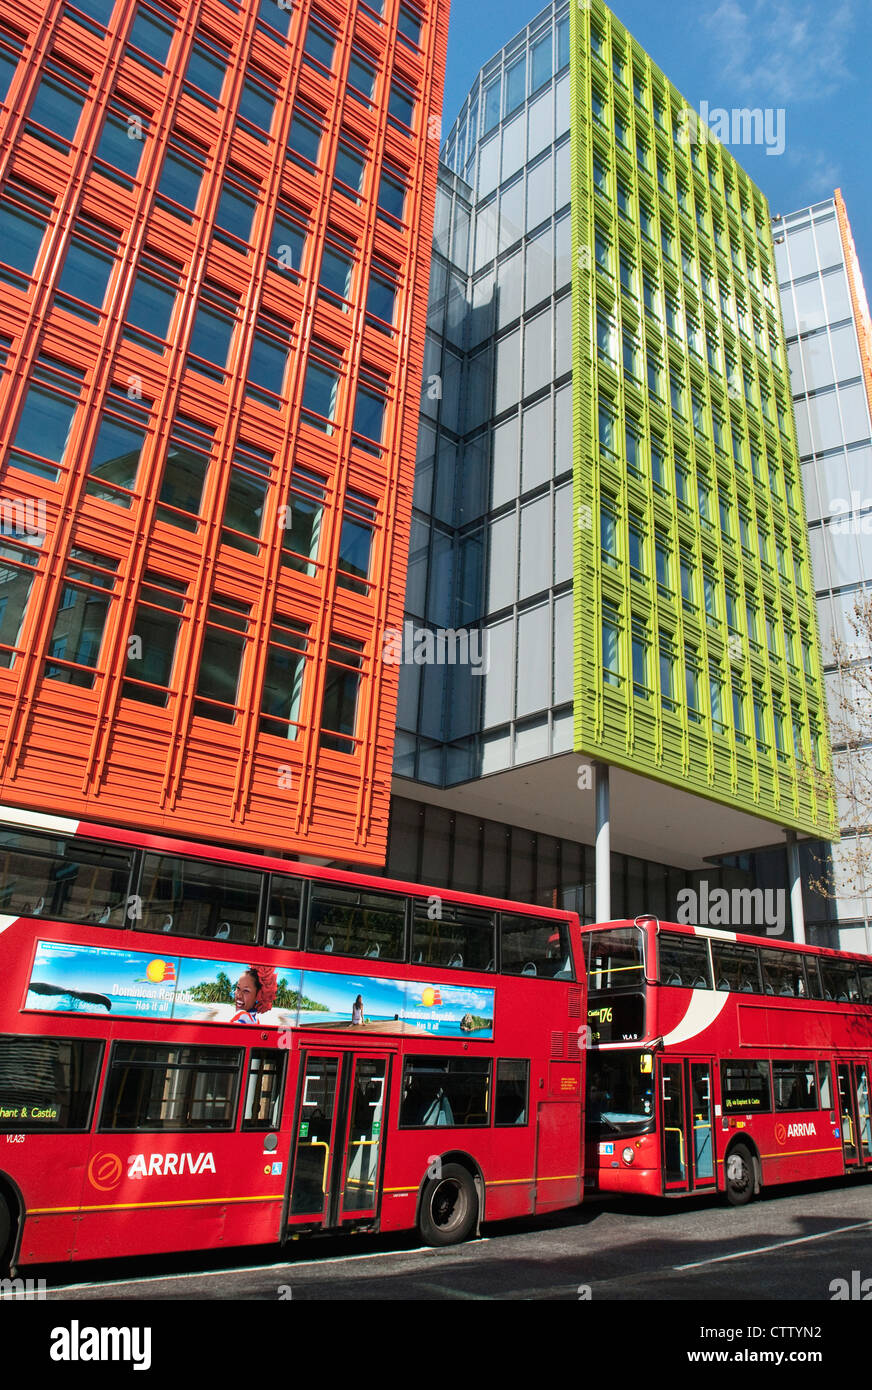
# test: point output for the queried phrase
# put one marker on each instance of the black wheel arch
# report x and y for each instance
(11, 1194)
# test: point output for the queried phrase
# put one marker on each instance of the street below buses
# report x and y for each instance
(811, 1242)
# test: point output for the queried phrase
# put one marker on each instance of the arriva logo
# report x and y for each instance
(800, 1130)
(166, 1165)
(105, 1169)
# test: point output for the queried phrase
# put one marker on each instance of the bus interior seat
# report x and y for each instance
(167, 924)
(456, 960)
(438, 1112)
(700, 982)
(373, 952)
(222, 931)
(530, 968)
(328, 944)
(724, 985)
(675, 979)
(491, 965)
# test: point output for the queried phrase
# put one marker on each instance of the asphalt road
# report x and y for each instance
(784, 1248)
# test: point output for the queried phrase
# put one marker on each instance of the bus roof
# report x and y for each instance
(723, 934)
(93, 830)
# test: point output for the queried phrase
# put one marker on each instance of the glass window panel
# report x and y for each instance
(319, 394)
(57, 107)
(745, 1086)
(737, 968)
(152, 660)
(304, 139)
(151, 305)
(85, 275)
(66, 880)
(47, 1083)
(462, 938)
(445, 1091)
(21, 235)
(171, 1089)
(684, 961)
(349, 921)
(535, 946)
(283, 680)
(189, 897)
(369, 413)
(44, 428)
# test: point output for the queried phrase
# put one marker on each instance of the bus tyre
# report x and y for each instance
(739, 1176)
(449, 1207)
(5, 1232)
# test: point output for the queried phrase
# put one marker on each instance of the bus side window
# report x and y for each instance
(194, 897)
(283, 922)
(264, 1089)
(812, 972)
(826, 1085)
(511, 1093)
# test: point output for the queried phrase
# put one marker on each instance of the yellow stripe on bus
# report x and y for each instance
(789, 1153)
(496, 1182)
(138, 1206)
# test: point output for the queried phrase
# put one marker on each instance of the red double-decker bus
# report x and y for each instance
(203, 1048)
(723, 1062)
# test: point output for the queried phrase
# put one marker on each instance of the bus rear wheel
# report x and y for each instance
(5, 1234)
(449, 1206)
(739, 1176)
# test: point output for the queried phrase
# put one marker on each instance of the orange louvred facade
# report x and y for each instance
(215, 232)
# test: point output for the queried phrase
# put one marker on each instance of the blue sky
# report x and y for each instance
(809, 57)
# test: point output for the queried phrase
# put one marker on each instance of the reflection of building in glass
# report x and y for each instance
(608, 488)
(213, 255)
(829, 345)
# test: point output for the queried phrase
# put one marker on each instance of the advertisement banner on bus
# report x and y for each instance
(133, 984)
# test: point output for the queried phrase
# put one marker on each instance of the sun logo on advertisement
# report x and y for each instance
(104, 1171)
(431, 998)
(160, 972)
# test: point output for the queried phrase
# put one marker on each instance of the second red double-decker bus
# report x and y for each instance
(723, 1062)
(204, 1048)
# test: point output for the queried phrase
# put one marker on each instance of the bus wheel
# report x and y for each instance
(739, 1174)
(449, 1206)
(5, 1231)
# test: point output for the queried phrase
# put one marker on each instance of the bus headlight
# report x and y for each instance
(628, 1155)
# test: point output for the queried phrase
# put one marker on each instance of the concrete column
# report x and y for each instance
(797, 915)
(603, 845)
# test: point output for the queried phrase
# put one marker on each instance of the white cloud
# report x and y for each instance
(780, 51)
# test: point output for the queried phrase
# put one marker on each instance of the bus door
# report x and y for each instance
(687, 1124)
(854, 1113)
(338, 1138)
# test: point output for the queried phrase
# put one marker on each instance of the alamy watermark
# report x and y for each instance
(853, 518)
(857, 1289)
(741, 125)
(441, 646)
(23, 516)
(31, 1290)
(731, 909)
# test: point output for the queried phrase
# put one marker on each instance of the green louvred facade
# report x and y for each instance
(697, 657)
